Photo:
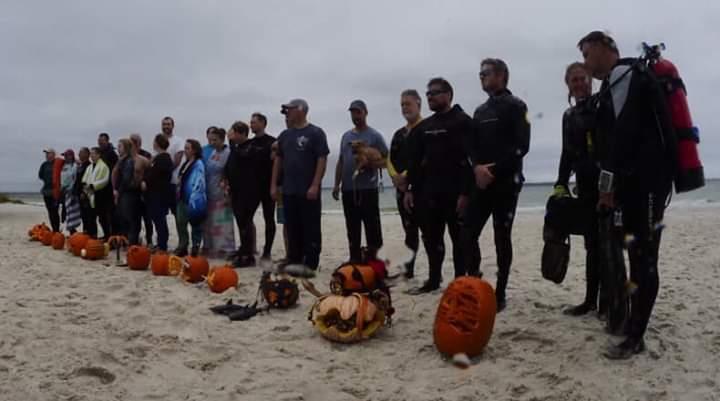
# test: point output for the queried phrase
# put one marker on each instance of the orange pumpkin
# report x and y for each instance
(93, 250)
(221, 279)
(37, 231)
(159, 264)
(351, 278)
(465, 317)
(47, 237)
(138, 257)
(58, 241)
(195, 269)
(347, 319)
(77, 243)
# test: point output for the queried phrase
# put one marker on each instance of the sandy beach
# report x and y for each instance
(79, 330)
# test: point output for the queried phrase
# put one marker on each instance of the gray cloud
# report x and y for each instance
(73, 69)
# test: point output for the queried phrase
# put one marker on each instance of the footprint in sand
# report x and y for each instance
(93, 371)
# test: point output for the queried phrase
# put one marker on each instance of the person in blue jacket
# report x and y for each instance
(192, 199)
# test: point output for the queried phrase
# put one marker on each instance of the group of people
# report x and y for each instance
(451, 171)
(206, 188)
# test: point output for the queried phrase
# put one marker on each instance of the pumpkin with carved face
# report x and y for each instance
(221, 279)
(347, 319)
(465, 317)
(194, 269)
(37, 231)
(279, 292)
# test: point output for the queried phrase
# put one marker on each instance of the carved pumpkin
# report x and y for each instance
(347, 319)
(138, 257)
(279, 292)
(159, 264)
(465, 317)
(94, 250)
(195, 269)
(47, 237)
(58, 241)
(77, 243)
(37, 231)
(175, 265)
(221, 279)
(350, 278)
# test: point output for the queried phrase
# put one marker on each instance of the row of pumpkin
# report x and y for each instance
(356, 307)
(192, 269)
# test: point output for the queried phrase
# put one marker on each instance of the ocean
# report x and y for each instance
(532, 197)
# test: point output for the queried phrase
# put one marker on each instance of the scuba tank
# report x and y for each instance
(690, 173)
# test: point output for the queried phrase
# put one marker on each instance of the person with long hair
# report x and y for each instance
(219, 240)
(191, 199)
(579, 156)
(67, 186)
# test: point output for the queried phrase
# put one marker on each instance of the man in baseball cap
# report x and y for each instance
(302, 158)
(300, 104)
(358, 182)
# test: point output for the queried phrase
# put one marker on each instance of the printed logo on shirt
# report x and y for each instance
(436, 131)
(302, 142)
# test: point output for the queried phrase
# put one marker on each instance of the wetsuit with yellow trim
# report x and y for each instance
(579, 156)
(398, 160)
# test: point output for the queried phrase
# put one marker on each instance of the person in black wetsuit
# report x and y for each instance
(146, 218)
(410, 103)
(439, 179)
(157, 191)
(496, 149)
(243, 182)
(637, 169)
(264, 142)
(579, 156)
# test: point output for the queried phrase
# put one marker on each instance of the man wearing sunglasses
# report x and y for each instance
(439, 178)
(496, 150)
(302, 158)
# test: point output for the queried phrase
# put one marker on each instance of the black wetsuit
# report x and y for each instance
(241, 173)
(265, 166)
(579, 156)
(438, 174)
(399, 157)
(641, 153)
(501, 136)
(129, 201)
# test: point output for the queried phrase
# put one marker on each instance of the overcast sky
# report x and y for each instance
(72, 69)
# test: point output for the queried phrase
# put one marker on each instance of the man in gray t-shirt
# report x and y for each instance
(301, 159)
(360, 182)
